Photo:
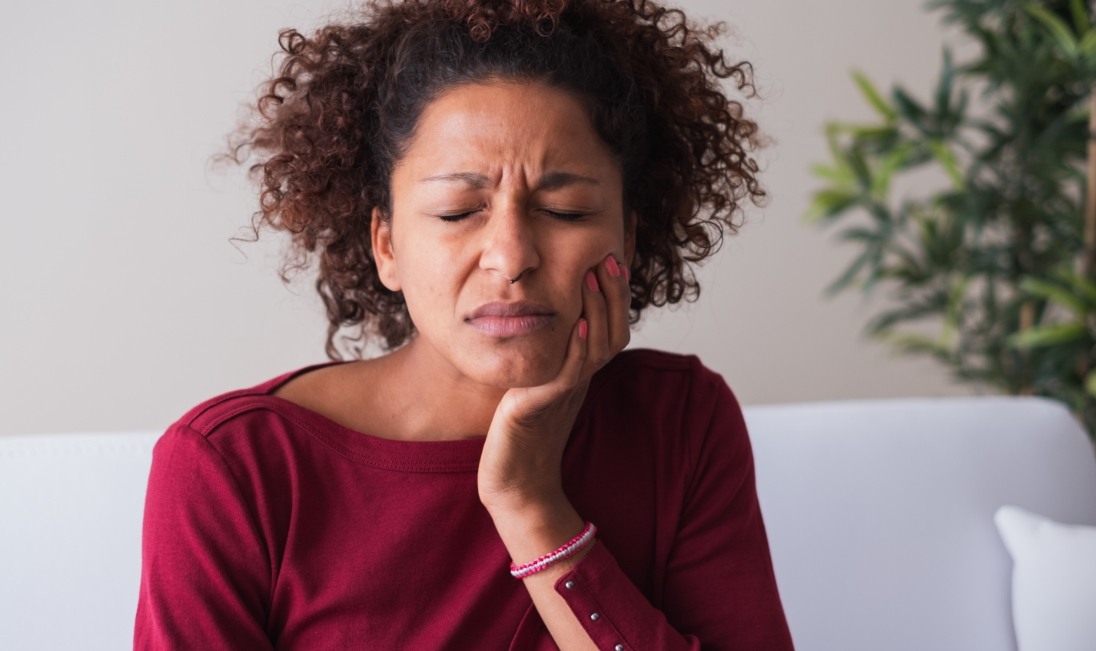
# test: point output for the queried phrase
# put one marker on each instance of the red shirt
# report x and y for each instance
(269, 526)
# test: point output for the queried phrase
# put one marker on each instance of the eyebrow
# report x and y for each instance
(550, 181)
(471, 178)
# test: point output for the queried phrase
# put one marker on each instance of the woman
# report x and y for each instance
(495, 189)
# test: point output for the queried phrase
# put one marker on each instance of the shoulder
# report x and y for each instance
(238, 440)
(667, 395)
(674, 403)
(654, 359)
(644, 373)
(213, 415)
(244, 431)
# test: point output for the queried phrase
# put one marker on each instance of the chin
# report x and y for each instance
(516, 370)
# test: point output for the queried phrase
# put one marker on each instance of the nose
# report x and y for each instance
(509, 244)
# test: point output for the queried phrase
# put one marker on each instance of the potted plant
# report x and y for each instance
(992, 270)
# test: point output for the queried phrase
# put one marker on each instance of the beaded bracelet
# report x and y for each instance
(544, 562)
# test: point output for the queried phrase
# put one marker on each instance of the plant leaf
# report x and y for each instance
(956, 293)
(1050, 335)
(836, 174)
(1055, 294)
(896, 159)
(1081, 22)
(1082, 292)
(859, 166)
(828, 203)
(944, 87)
(858, 234)
(1090, 383)
(946, 158)
(1088, 43)
(849, 276)
(1085, 288)
(1057, 27)
(868, 90)
(883, 323)
(875, 132)
(909, 108)
(911, 343)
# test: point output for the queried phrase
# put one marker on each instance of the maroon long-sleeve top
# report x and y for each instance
(268, 526)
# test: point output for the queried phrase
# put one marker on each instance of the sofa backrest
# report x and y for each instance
(70, 539)
(880, 513)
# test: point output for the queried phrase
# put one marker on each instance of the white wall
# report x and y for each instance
(123, 302)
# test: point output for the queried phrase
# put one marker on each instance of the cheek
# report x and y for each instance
(585, 255)
(425, 259)
(427, 276)
(593, 248)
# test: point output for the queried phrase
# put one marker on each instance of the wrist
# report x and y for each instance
(576, 547)
(522, 499)
(536, 530)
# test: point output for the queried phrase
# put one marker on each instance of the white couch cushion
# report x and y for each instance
(70, 539)
(1053, 581)
(879, 516)
(880, 513)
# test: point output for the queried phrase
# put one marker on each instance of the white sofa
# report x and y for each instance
(879, 516)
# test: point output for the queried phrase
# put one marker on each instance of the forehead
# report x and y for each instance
(505, 124)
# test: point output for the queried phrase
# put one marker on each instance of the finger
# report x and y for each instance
(519, 403)
(614, 284)
(570, 375)
(595, 312)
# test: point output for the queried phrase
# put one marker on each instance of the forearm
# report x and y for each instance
(528, 533)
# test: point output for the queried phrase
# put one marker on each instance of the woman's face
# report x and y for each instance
(501, 181)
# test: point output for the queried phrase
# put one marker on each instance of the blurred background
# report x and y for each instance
(124, 300)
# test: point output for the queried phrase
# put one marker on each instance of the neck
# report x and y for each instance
(437, 403)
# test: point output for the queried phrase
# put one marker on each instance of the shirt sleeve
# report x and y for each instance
(721, 590)
(204, 573)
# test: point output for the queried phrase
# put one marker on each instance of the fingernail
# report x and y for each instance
(591, 281)
(582, 329)
(612, 266)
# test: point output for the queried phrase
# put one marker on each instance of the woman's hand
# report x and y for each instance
(519, 470)
(520, 475)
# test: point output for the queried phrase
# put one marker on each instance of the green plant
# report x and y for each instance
(998, 259)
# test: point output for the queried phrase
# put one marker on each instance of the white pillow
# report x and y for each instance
(1053, 581)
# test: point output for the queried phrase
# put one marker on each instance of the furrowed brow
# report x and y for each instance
(468, 178)
(550, 181)
(556, 180)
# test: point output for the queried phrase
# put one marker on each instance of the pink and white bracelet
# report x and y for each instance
(544, 562)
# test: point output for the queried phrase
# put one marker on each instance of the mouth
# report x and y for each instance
(510, 319)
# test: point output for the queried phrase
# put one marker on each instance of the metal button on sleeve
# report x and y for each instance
(594, 617)
(619, 647)
(570, 585)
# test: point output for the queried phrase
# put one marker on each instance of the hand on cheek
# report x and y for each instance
(606, 298)
(520, 465)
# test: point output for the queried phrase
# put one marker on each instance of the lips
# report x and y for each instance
(510, 319)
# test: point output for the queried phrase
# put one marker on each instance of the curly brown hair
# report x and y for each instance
(337, 115)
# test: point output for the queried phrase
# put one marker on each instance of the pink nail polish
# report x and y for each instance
(591, 281)
(612, 267)
(582, 328)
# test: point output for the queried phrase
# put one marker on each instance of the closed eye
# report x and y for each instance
(564, 216)
(554, 214)
(456, 217)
